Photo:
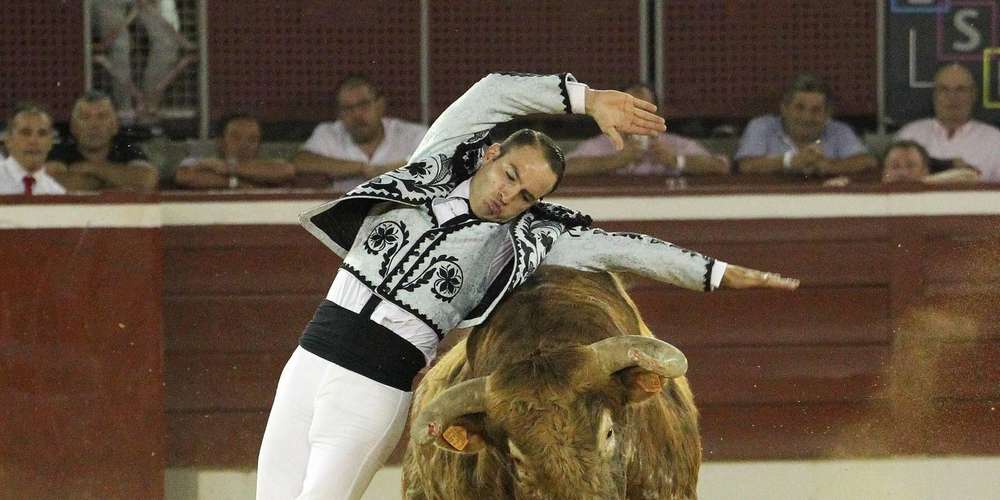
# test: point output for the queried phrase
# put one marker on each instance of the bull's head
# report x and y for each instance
(554, 421)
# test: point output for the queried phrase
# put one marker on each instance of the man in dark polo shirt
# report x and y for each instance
(95, 156)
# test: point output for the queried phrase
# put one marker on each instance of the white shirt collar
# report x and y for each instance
(16, 170)
(461, 190)
(961, 128)
(453, 205)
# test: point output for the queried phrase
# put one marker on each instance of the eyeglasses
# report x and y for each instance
(961, 89)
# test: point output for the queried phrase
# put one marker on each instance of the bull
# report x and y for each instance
(563, 394)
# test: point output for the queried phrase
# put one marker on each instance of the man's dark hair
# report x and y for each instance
(807, 82)
(29, 107)
(357, 80)
(92, 96)
(906, 144)
(550, 150)
(233, 117)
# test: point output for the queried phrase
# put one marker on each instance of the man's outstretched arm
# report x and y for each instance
(598, 250)
(498, 97)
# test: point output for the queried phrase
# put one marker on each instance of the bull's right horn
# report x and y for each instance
(657, 356)
(461, 399)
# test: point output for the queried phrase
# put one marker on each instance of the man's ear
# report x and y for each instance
(492, 153)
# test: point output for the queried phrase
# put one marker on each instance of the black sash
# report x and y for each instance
(355, 342)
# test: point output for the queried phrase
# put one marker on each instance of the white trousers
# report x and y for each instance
(329, 432)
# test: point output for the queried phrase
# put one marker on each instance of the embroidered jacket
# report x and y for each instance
(386, 233)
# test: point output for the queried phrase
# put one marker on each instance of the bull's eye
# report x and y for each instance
(610, 434)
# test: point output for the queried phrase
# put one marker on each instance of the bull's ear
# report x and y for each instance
(463, 435)
(640, 384)
(456, 413)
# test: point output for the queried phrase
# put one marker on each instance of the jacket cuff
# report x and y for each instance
(718, 270)
(577, 97)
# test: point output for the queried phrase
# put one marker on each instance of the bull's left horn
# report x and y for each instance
(461, 399)
(657, 356)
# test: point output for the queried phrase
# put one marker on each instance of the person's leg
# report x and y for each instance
(162, 54)
(356, 425)
(109, 17)
(284, 451)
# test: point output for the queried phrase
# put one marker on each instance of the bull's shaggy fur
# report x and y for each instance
(545, 400)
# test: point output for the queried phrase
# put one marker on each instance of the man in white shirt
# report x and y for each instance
(28, 139)
(363, 142)
(952, 137)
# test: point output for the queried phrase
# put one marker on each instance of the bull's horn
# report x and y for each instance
(461, 399)
(657, 356)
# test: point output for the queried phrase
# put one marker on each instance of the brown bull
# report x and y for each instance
(563, 394)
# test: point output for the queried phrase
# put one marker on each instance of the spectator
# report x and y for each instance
(952, 137)
(908, 161)
(28, 139)
(804, 140)
(362, 143)
(96, 156)
(666, 154)
(237, 164)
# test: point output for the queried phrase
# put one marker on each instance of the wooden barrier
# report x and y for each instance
(890, 346)
(81, 354)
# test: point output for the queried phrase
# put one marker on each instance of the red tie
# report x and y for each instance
(29, 185)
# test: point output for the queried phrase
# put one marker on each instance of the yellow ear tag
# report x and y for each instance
(649, 382)
(456, 436)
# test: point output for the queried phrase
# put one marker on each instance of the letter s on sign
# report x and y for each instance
(974, 38)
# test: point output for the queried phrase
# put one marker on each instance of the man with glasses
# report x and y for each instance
(953, 138)
(362, 143)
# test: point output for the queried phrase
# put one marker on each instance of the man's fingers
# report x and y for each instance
(774, 280)
(647, 119)
(615, 137)
(645, 105)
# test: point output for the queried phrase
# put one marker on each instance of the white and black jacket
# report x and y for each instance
(437, 271)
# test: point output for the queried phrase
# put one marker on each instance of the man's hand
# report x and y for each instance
(807, 158)
(742, 277)
(215, 165)
(663, 152)
(618, 113)
(631, 153)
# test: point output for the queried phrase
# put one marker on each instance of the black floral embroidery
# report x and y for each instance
(447, 275)
(387, 238)
(449, 280)
(413, 183)
(467, 155)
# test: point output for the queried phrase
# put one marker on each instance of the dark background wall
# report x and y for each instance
(282, 60)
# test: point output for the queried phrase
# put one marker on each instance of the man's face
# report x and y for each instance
(505, 186)
(804, 116)
(241, 140)
(904, 165)
(361, 111)
(954, 95)
(29, 139)
(94, 124)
